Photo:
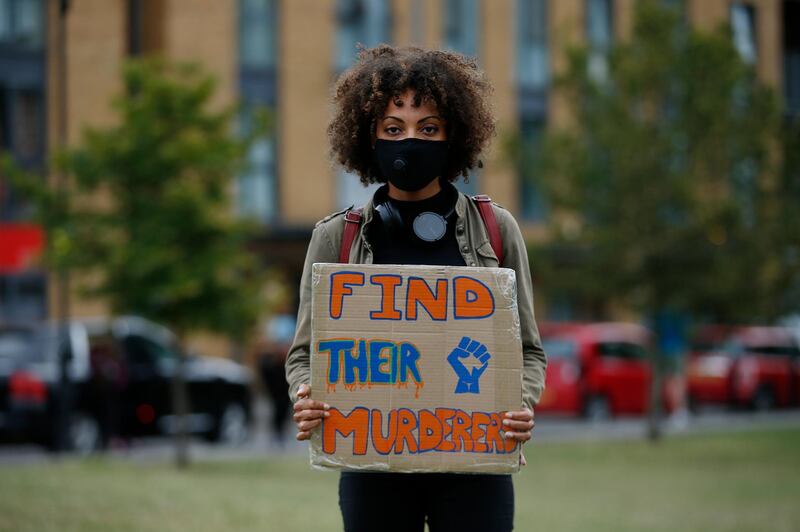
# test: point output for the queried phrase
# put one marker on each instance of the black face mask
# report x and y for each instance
(410, 164)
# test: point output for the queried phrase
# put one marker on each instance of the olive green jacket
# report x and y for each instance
(474, 243)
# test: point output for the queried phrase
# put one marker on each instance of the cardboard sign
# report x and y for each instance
(419, 365)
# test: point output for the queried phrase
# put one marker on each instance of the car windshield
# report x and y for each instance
(16, 344)
(732, 348)
(705, 347)
(35, 344)
(622, 350)
(559, 347)
(773, 350)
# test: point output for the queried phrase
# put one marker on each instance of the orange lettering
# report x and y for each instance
(420, 293)
(341, 286)
(383, 445)
(444, 415)
(494, 436)
(430, 431)
(388, 284)
(461, 424)
(479, 419)
(357, 424)
(472, 299)
(406, 423)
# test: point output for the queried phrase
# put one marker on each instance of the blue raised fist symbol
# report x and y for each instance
(468, 377)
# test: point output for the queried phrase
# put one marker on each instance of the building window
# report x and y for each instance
(369, 23)
(599, 37)
(366, 22)
(22, 93)
(257, 34)
(28, 125)
(257, 185)
(791, 56)
(22, 86)
(533, 63)
(23, 297)
(533, 83)
(22, 111)
(532, 202)
(460, 31)
(134, 28)
(743, 26)
(22, 134)
(22, 23)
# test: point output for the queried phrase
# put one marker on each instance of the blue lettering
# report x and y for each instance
(409, 357)
(336, 348)
(376, 360)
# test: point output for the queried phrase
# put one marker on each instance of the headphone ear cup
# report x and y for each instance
(390, 217)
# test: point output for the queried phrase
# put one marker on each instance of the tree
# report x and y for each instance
(668, 186)
(667, 191)
(147, 218)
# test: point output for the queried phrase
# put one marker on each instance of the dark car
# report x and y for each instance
(29, 390)
(744, 366)
(121, 373)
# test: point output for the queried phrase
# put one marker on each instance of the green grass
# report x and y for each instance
(743, 481)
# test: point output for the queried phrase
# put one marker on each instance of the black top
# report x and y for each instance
(396, 243)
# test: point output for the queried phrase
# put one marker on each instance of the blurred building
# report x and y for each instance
(285, 54)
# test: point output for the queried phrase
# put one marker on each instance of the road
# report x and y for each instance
(548, 430)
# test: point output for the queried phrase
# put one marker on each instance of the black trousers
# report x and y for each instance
(406, 501)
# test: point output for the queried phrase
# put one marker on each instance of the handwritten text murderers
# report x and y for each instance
(407, 431)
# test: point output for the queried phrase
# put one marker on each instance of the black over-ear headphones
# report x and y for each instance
(427, 226)
(390, 216)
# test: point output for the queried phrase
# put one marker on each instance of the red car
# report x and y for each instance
(598, 370)
(756, 367)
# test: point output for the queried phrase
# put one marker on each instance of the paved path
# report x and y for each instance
(548, 430)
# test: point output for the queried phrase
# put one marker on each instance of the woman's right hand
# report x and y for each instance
(308, 414)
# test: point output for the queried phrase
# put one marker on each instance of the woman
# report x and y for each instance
(417, 120)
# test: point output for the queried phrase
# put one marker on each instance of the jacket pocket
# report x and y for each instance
(486, 255)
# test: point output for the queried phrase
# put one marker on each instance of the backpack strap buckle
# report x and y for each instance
(352, 220)
(484, 204)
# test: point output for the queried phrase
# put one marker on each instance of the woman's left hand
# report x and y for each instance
(518, 425)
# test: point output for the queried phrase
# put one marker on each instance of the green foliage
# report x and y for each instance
(666, 192)
(147, 210)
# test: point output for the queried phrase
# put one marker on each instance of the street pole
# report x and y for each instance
(180, 406)
(63, 313)
(654, 429)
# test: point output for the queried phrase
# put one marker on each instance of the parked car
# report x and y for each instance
(121, 373)
(16, 344)
(597, 370)
(745, 366)
(29, 386)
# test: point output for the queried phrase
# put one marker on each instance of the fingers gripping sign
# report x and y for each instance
(468, 378)
(519, 425)
(308, 414)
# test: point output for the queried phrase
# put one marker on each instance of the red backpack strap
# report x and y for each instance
(484, 204)
(352, 221)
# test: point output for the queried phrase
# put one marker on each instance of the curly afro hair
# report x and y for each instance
(452, 81)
